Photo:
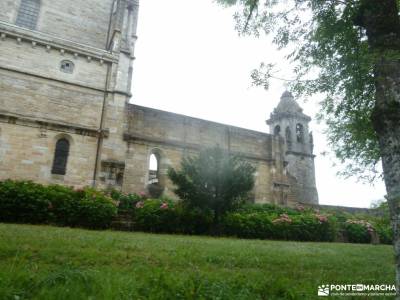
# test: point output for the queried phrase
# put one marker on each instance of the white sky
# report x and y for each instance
(190, 60)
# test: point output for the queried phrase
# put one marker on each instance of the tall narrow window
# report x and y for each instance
(300, 133)
(28, 14)
(155, 186)
(277, 130)
(60, 157)
(288, 135)
(153, 169)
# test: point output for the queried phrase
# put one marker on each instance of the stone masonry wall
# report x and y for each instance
(38, 61)
(80, 21)
(173, 136)
(27, 152)
(49, 100)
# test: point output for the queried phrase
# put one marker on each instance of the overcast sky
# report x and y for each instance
(190, 60)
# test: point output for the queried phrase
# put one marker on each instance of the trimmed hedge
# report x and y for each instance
(357, 233)
(167, 216)
(24, 202)
(264, 225)
(155, 215)
(126, 202)
(28, 202)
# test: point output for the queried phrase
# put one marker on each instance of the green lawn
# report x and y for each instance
(40, 262)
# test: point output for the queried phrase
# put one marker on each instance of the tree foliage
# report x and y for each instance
(213, 180)
(329, 54)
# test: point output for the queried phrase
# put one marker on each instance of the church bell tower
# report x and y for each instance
(289, 122)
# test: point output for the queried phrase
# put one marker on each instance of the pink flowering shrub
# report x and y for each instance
(321, 218)
(285, 226)
(95, 209)
(28, 202)
(164, 205)
(283, 218)
(358, 231)
(156, 215)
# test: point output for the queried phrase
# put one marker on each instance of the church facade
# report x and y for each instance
(66, 118)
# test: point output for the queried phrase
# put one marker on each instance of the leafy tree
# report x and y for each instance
(214, 180)
(348, 50)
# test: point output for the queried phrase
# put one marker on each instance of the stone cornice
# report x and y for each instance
(47, 124)
(300, 154)
(47, 41)
(276, 116)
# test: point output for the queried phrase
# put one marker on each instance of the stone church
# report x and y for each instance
(66, 117)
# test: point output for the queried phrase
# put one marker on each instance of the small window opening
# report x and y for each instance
(67, 66)
(300, 133)
(119, 178)
(277, 130)
(288, 136)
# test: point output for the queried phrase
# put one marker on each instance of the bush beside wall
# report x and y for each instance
(264, 225)
(28, 202)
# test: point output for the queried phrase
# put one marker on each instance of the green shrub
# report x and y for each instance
(264, 225)
(95, 210)
(261, 208)
(64, 205)
(24, 202)
(385, 233)
(357, 231)
(156, 215)
(248, 225)
(126, 202)
(214, 180)
(28, 202)
(194, 221)
(309, 227)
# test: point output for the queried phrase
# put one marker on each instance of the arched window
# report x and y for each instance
(300, 133)
(60, 157)
(277, 130)
(288, 136)
(155, 186)
(153, 169)
(28, 14)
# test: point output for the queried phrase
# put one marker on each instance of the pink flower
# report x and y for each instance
(321, 218)
(283, 218)
(164, 205)
(140, 204)
(363, 223)
(300, 207)
(142, 194)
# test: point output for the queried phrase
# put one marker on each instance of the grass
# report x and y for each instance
(41, 262)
